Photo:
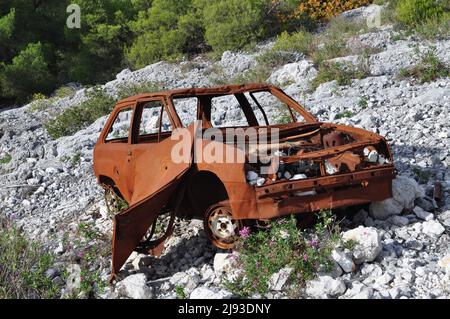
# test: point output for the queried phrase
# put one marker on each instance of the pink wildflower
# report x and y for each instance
(244, 232)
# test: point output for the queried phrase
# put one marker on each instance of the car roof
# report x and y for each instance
(218, 90)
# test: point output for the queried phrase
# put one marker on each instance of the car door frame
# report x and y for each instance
(115, 162)
(137, 149)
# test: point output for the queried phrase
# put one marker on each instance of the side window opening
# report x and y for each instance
(121, 127)
(276, 111)
(186, 109)
(154, 122)
(227, 112)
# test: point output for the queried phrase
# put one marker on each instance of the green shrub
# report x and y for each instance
(28, 73)
(363, 103)
(332, 43)
(167, 30)
(234, 24)
(412, 13)
(301, 42)
(75, 118)
(344, 114)
(342, 73)
(428, 69)
(265, 252)
(65, 91)
(39, 102)
(5, 159)
(23, 264)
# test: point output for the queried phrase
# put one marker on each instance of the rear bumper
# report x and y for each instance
(355, 188)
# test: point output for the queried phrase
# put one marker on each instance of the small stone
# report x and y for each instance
(368, 243)
(358, 291)
(73, 280)
(399, 220)
(51, 273)
(51, 170)
(222, 262)
(279, 279)
(325, 287)
(445, 263)
(251, 176)
(344, 260)
(60, 249)
(445, 218)
(432, 228)
(260, 181)
(208, 293)
(420, 213)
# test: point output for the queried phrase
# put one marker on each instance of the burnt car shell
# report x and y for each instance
(338, 166)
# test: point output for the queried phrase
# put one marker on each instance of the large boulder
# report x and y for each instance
(325, 287)
(135, 287)
(404, 191)
(368, 243)
(298, 72)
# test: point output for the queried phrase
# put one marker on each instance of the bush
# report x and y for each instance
(23, 264)
(301, 42)
(75, 118)
(167, 30)
(412, 13)
(27, 73)
(342, 73)
(428, 69)
(325, 10)
(235, 24)
(265, 252)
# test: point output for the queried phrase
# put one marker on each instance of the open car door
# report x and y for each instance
(152, 190)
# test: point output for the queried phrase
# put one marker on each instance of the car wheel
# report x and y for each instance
(220, 226)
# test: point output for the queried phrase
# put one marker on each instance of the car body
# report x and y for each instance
(318, 165)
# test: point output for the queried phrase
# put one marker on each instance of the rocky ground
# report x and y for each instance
(48, 187)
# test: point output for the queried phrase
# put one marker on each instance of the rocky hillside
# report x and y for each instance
(403, 244)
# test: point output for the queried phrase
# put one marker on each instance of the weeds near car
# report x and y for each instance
(263, 253)
(179, 290)
(91, 250)
(23, 264)
(344, 114)
(6, 159)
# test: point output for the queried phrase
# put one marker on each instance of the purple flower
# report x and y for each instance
(313, 243)
(305, 257)
(244, 232)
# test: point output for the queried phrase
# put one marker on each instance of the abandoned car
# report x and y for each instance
(309, 166)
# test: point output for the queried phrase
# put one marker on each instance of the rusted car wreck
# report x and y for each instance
(317, 165)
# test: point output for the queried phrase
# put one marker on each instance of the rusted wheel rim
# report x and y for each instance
(222, 228)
